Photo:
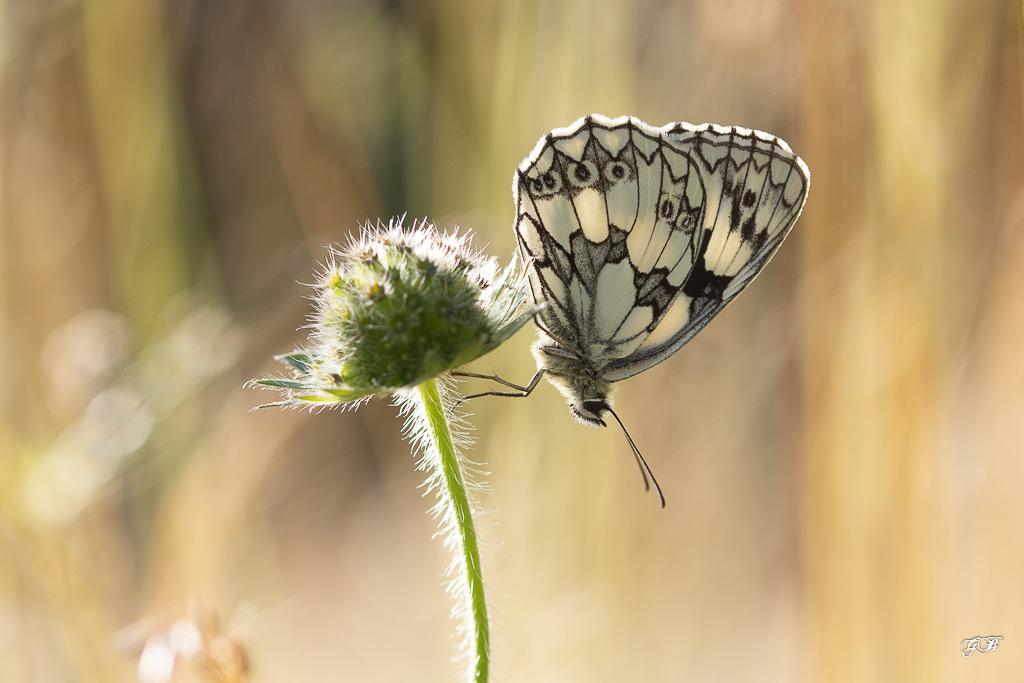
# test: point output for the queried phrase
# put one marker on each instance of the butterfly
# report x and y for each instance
(637, 237)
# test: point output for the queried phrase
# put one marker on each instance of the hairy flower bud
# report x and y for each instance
(397, 307)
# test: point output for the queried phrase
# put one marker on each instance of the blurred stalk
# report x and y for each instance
(91, 180)
(141, 162)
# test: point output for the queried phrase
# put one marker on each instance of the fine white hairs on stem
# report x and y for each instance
(429, 428)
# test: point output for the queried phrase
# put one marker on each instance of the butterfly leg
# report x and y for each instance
(519, 392)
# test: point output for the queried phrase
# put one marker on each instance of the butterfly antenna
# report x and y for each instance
(645, 469)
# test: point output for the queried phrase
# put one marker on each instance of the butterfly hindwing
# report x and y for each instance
(638, 236)
(755, 190)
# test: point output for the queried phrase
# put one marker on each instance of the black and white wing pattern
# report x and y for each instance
(639, 235)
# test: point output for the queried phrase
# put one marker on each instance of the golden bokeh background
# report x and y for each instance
(842, 449)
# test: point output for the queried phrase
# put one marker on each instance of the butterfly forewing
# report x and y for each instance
(638, 235)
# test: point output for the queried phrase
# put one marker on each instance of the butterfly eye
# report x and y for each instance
(616, 171)
(582, 174)
(590, 411)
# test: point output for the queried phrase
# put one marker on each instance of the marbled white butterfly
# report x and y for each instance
(637, 236)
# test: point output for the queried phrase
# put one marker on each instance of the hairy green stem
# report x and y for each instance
(454, 495)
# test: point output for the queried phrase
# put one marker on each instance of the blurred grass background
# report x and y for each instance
(842, 449)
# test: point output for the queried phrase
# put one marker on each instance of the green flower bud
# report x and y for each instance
(397, 307)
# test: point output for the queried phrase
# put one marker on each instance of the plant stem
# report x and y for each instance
(454, 495)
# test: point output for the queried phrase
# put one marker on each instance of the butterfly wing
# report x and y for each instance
(640, 235)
